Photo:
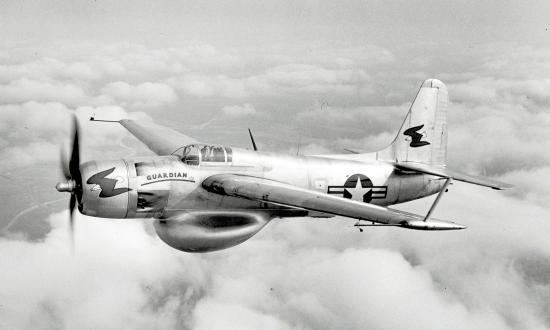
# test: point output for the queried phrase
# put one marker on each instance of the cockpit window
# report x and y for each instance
(195, 154)
(229, 154)
(212, 154)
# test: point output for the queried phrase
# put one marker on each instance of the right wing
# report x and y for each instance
(161, 140)
(279, 193)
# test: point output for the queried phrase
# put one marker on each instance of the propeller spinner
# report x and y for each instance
(71, 172)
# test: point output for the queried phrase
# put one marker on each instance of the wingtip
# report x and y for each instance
(460, 226)
(504, 186)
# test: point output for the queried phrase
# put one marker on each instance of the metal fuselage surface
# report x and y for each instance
(164, 186)
(192, 219)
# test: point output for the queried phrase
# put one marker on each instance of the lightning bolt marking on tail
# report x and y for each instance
(416, 138)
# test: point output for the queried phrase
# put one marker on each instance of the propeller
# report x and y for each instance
(71, 172)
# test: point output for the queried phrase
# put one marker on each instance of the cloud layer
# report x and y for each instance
(296, 273)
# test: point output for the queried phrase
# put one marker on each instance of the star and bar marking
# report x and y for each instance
(360, 188)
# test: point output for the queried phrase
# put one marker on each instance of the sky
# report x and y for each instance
(306, 76)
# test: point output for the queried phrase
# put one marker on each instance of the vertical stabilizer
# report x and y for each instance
(423, 136)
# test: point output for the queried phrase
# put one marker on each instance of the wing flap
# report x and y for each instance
(445, 172)
(270, 191)
(159, 139)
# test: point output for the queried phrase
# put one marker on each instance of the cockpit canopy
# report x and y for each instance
(195, 154)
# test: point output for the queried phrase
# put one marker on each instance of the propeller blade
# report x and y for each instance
(72, 204)
(71, 171)
(74, 163)
(64, 164)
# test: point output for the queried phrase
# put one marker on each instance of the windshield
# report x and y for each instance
(190, 155)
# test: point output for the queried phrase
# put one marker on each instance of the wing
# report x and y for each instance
(275, 192)
(159, 139)
(446, 172)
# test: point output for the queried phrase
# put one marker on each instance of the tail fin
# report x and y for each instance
(422, 137)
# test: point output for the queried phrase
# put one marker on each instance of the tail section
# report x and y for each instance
(422, 137)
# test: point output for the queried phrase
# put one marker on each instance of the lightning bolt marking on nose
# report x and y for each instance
(107, 185)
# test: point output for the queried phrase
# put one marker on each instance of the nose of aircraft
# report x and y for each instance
(68, 186)
(71, 172)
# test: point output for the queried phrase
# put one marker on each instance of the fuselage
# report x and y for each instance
(164, 186)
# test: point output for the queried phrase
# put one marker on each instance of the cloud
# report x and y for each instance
(530, 184)
(345, 122)
(316, 287)
(231, 316)
(338, 73)
(315, 79)
(60, 291)
(204, 85)
(490, 117)
(239, 110)
(296, 273)
(50, 68)
(32, 132)
(23, 90)
(146, 94)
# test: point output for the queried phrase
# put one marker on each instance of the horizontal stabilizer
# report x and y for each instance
(444, 172)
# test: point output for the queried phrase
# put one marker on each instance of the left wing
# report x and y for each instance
(275, 192)
(159, 139)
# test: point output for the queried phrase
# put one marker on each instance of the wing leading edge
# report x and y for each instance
(275, 192)
(161, 140)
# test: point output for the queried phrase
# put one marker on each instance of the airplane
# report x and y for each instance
(207, 197)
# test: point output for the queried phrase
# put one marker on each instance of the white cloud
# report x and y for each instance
(239, 110)
(499, 135)
(32, 132)
(312, 78)
(204, 85)
(50, 68)
(24, 90)
(276, 76)
(232, 316)
(95, 287)
(297, 273)
(530, 184)
(144, 95)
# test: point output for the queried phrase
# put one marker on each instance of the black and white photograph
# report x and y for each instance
(306, 164)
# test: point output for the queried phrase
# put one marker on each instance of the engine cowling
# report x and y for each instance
(105, 188)
(205, 231)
